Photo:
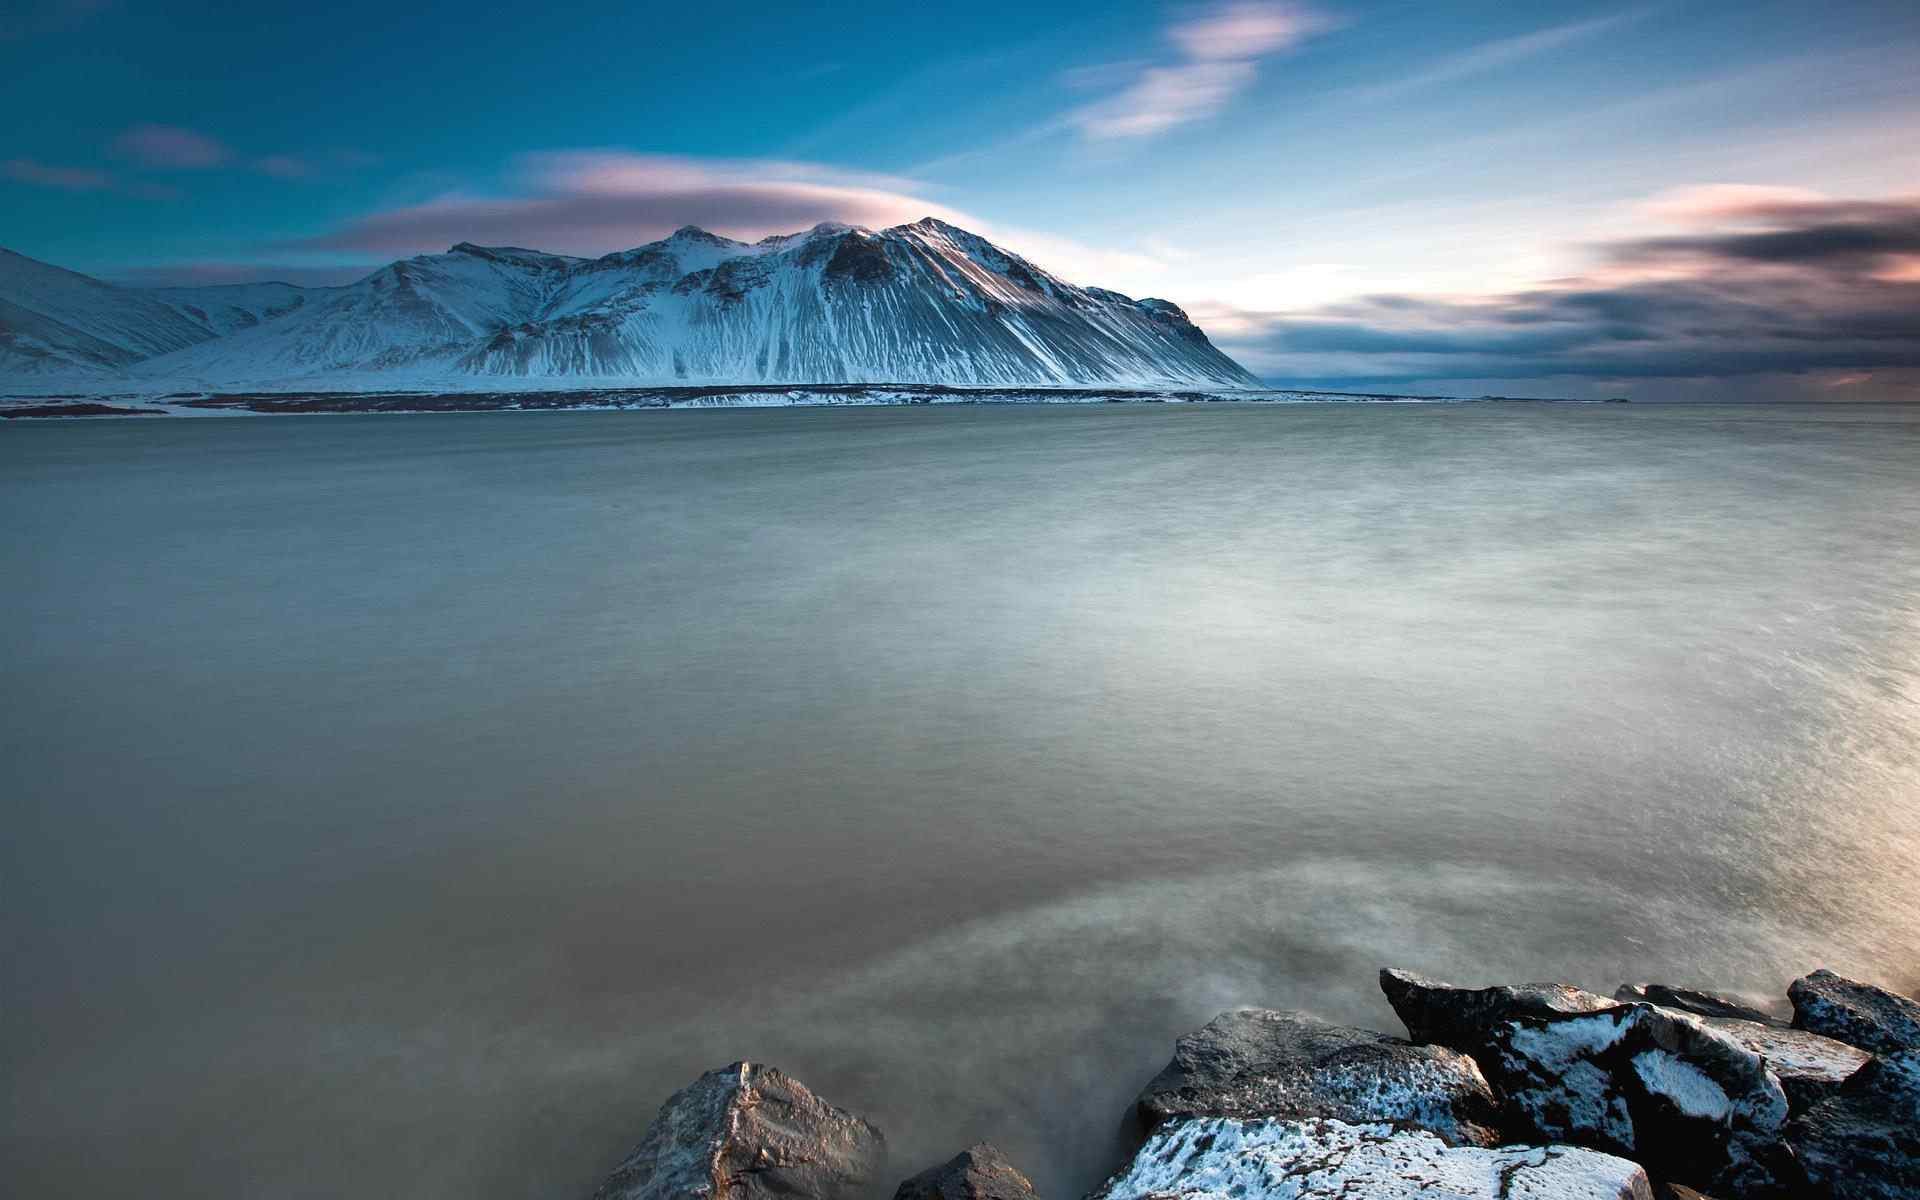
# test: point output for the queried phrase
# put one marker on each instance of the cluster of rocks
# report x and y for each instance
(1539, 1091)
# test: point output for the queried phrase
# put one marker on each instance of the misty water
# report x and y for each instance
(405, 806)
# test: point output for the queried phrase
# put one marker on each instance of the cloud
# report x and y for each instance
(1772, 283)
(169, 147)
(1492, 55)
(593, 203)
(1163, 97)
(1241, 31)
(70, 179)
(1218, 56)
(1711, 202)
(81, 179)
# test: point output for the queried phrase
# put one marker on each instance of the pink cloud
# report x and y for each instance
(170, 147)
(1710, 203)
(1163, 97)
(593, 203)
(70, 179)
(1242, 31)
(1219, 54)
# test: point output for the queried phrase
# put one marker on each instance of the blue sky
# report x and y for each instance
(1263, 164)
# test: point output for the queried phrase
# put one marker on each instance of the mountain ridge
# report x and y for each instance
(924, 302)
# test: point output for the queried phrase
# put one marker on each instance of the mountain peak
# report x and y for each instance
(501, 253)
(693, 233)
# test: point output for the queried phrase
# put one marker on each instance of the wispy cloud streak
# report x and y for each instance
(1491, 56)
(68, 179)
(1218, 56)
(172, 148)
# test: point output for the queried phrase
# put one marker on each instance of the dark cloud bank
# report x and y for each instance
(1782, 299)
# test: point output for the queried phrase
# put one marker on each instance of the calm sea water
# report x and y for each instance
(405, 806)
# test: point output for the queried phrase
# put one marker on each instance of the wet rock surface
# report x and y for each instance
(980, 1172)
(1689, 1103)
(1257, 1062)
(1226, 1159)
(749, 1132)
(1460, 1017)
(1809, 1067)
(1863, 1143)
(1858, 1014)
(1689, 1000)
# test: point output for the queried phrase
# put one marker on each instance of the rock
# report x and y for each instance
(1460, 1017)
(1700, 1004)
(1257, 1062)
(1858, 1014)
(1810, 1067)
(749, 1132)
(1677, 1191)
(1690, 1103)
(979, 1172)
(1321, 1159)
(1863, 1143)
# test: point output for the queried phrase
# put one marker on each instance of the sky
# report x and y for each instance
(1682, 200)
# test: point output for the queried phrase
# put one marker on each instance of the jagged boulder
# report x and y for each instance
(1321, 1159)
(1258, 1062)
(1687, 1101)
(979, 1172)
(1858, 1014)
(1700, 1004)
(749, 1132)
(1863, 1143)
(1460, 1018)
(1810, 1068)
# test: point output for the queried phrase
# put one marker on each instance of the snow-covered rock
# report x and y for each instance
(1858, 1014)
(979, 1172)
(1810, 1067)
(1689, 1102)
(1863, 1143)
(1257, 1062)
(1461, 1017)
(229, 307)
(920, 303)
(749, 1132)
(1224, 1159)
(59, 322)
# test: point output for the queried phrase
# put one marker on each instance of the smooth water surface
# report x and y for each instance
(404, 806)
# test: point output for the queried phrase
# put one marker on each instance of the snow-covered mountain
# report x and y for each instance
(919, 303)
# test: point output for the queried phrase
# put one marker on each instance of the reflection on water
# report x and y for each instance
(412, 803)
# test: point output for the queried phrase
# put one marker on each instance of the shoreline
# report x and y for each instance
(1533, 1089)
(313, 403)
